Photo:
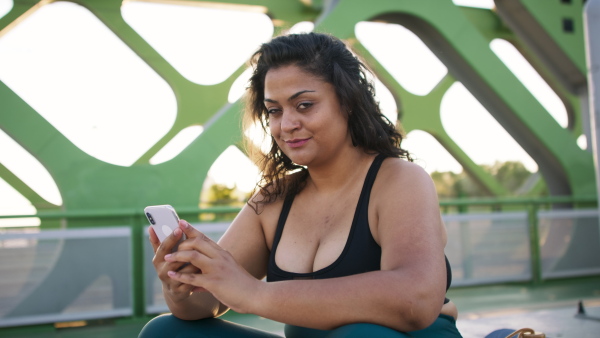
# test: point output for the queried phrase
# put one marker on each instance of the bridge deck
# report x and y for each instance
(551, 308)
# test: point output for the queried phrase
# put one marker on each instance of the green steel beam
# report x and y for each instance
(491, 26)
(86, 182)
(459, 36)
(423, 113)
(554, 31)
(91, 188)
(465, 51)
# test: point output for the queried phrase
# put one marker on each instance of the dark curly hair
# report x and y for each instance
(329, 59)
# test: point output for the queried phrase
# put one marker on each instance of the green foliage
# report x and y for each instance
(511, 175)
(220, 195)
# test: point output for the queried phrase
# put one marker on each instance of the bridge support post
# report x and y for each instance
(591, 17)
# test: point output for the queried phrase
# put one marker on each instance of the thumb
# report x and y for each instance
(189, 230)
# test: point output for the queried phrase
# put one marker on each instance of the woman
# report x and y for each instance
(345, 228)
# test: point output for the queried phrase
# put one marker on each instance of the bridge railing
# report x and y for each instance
(59, 273)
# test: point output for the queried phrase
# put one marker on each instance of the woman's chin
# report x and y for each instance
(301, 160)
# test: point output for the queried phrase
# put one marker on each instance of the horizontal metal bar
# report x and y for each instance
(570, 273)
(518, 200)
(128, 212)
(568, 213)
(122, 231)
(65, 317)
(117, 213)
(489, 281)
(203, 227)
(486, 216)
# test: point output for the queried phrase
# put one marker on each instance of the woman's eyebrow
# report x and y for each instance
(300, 93)
(291, 97)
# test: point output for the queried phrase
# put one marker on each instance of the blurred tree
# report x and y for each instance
(220, 194)
(511, 175)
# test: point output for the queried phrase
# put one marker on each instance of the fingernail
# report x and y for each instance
(187, 225)
(167, 257)
(177, 232)
(171, 273)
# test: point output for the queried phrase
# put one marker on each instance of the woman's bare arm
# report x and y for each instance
(407, 294)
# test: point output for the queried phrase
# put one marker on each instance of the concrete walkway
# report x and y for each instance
(561, 321)
(550, 308)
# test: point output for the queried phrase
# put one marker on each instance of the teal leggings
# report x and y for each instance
(170, 326)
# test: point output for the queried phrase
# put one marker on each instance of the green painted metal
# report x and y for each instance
(134, 218)
(95, 192)
(534, 238)
(465, 50)
(554, 29)
(462, 34)
(423, 113)
(127, 213)
(86, 182)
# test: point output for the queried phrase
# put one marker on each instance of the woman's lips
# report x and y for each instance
(295, 143)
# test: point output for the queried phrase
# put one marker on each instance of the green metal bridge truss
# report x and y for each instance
(549, 33)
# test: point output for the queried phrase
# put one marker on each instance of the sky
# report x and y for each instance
(57, 61)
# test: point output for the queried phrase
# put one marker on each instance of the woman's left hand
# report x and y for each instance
(219, 273)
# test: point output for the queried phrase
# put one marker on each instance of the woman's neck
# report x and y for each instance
(342, 169)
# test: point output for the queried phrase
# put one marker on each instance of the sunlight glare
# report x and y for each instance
(74, 71)
(28, 169)
(205, 45)
(5, 7)
(387, 103)
(177, 144)
(238, 88)
(476, 132)
(259, 138)
(302, 27)
(530, 78)
(403, 54)
(489, 4)
(231, 168)
(429, 153)
(13, 203)
(582, 142)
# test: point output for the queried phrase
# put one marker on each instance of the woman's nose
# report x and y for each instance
(289, 122)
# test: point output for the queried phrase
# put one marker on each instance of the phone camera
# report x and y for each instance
(150, 218)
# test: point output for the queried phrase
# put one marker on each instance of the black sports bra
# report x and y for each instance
(361, 252)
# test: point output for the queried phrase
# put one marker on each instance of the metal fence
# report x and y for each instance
(67, 274)
(52, 276)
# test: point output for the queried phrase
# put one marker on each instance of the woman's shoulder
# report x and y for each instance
(404, 193)
(400, 169)
(399, 176)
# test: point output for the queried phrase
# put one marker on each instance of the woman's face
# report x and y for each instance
(305, 116)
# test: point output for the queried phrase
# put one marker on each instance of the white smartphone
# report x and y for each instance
(163, 219)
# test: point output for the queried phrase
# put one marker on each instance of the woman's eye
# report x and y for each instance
(304, 105)
(272, 111)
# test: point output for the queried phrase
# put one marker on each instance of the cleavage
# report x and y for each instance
(315, 240)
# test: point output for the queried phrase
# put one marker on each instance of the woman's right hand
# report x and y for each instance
(175, 290)
(450, 310)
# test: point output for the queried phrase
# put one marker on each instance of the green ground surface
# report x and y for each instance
(473, 302)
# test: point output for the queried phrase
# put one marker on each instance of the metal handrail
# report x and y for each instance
(483, 201)
(136, 217)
